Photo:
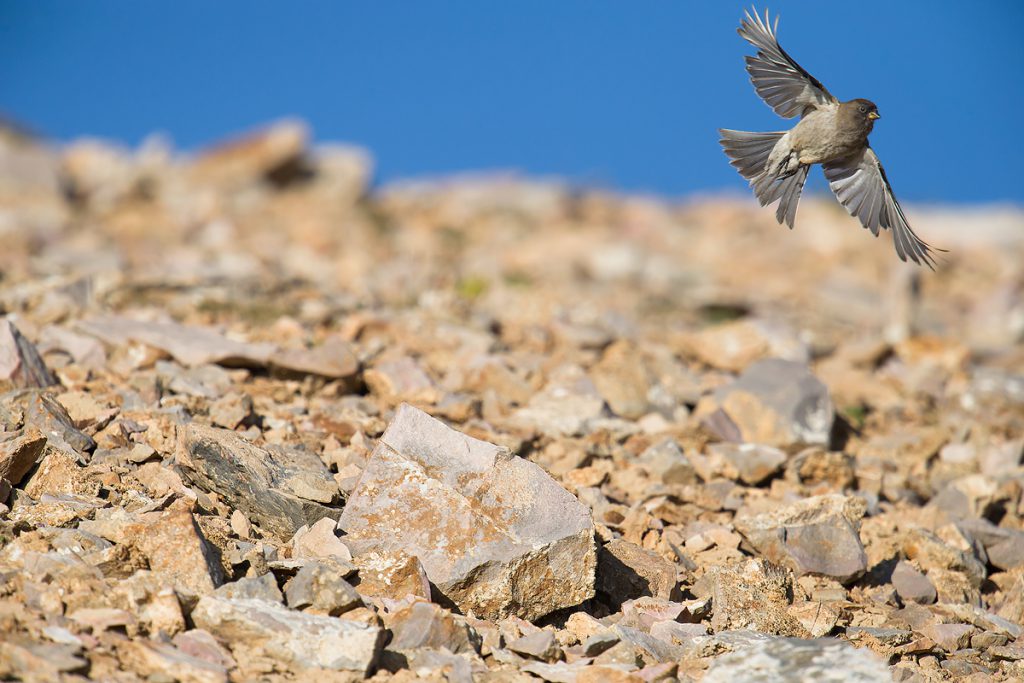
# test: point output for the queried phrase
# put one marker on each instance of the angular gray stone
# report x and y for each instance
(933, 554)
(776, 403)
(666, 462)
(188, 344)
(279, 492)
(426, 625)
(154, 660)
(754, 463)
(540, 645)
(644, 613)
(19, 451)
(262, 587)
(950, 637)
(319, 589)
(40, 410)
(755, 595)
(1004, 548)
(911, 585)
(292, 638)
(495, 534)
(652, 649)
(794, 659)
(817, 535)
(674, 633)
(334, 359)
(626, 571)
(565, 407)
(20, 364)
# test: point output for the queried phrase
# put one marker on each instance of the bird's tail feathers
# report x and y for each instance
(749, 154)
(749, 151)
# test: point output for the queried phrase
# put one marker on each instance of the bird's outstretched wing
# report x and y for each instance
(860, 184)
(777, 78)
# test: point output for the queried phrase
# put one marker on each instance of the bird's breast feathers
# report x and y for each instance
(819, 137)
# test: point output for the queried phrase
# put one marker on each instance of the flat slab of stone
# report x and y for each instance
(188, 344)
(280, 492)
(796, 659)
(294, 638)
(817, 535)
(495, 534)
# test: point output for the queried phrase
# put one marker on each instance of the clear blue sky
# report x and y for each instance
(621, 94)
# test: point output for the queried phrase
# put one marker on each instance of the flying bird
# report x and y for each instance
(831, 133)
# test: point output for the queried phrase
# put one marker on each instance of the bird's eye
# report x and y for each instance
(863, 109)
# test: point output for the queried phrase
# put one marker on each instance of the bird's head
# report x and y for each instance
(864, 111)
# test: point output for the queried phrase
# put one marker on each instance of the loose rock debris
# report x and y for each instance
(261, 421)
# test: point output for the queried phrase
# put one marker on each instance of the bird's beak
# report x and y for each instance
(874, 115)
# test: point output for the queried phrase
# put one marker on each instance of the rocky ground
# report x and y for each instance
(260, 422)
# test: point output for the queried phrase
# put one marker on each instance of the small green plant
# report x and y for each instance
(855, 415)
(472, 287)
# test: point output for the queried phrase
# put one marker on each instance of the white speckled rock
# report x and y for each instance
(793, 659)
(295, 638)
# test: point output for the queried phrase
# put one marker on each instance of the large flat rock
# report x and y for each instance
(495, 534)
(292, 638)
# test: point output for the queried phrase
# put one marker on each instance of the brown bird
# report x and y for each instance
(831, 133)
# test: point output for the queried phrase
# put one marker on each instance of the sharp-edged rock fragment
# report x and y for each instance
(401, 379)
(911, 585)
(753, 595)
(289, 637)
(426, 625)
(317, 588)
(735, 345)
(274, 491)
(391, 574)
(153, 660)
(622, 380)
(263, 587)
(794, 659)
(177, 550)
(773, 402)
(933, 555)
(189, 345)
(44, 413)
(817, 535)
(333, 359)
(565, 407)
(319, 541)
(540, 645)
(20, 364)
(626, 571)
(753, 463)
(950, 637)
(496, 535)
(252, 157)
(19, 451)
(666, 463)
